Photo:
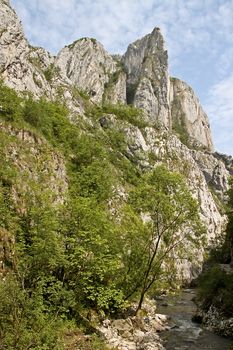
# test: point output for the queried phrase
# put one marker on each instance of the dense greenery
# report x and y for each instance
(92, 249)
(216, 289)
(228, 245)
(216, 283)
(174, 222)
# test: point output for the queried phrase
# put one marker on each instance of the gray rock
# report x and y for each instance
(147, 77)
(87, 65)
(188, 116)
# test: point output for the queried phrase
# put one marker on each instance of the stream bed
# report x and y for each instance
(185, 334)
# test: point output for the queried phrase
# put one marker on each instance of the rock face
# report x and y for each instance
(21, 65)
(135, 333)
(140, 77)
(215, 171)
(146, 63)
(89, 67)
(35, 162)
(201, 169)
(188, 116)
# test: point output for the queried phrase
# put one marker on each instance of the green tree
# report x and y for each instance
(171, 226)
(10, 104)
(92, 257)
(24, 324)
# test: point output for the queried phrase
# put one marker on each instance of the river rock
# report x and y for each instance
(135, 332)
(216, 322)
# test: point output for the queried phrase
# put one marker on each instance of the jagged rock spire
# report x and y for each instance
(142, 81)
(146, 62)
(90, 67)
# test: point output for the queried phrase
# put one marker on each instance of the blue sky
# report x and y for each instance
(198, 35)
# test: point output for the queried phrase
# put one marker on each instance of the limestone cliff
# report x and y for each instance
(146, 63)
(21, 65)
(175, 131)
(89, 67)
(188, 118)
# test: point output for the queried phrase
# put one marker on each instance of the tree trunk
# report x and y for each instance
(140, 301)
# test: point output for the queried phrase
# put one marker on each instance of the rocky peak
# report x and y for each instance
(146, 63)
(21, 65)
(88, 66)
(11, 35)
(140, 77)
(189, 120)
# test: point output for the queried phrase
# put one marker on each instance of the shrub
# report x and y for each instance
(216, 288)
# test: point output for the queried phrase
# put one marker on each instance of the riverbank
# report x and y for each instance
(215, 299)
(184, 334)
(136, 332)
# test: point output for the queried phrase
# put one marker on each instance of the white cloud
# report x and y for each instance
(187, 24)
(219, 107)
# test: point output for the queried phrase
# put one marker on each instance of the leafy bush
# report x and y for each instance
(216, 288)
(51, 72)
(24, 322)
(123, 112)
(10, 104)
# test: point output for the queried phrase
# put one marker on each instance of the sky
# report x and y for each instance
(198, 36)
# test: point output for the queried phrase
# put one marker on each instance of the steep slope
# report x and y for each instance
(21, 65)
(146, 63)
(88, 66)
(188, 118)
(140, 77)
(78, 161)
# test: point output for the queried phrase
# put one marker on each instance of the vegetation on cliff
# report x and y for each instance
(114, 233)
(216, 282)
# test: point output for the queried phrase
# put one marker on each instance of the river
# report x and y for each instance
(185, 334)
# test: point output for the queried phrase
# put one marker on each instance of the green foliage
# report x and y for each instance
(24, 324)
(92, 254)
(216, 283)
(48, 118)
(173, 225)
(123, 112)
(10, 104)
(87, 252)
(51, 72)
(216, 289)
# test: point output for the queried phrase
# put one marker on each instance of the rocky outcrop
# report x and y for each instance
(89, 67)
(188, 118)
(205, 174)
(146, 63)
(216, 322)
(84, 71)
(135, 332)
(21, 65)
(215, 171)
(36, 164)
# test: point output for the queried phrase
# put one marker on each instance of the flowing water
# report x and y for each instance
(185, 334)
